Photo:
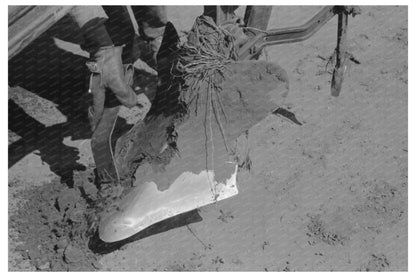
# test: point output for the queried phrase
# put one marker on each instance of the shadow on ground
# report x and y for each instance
(57, 74)
(60, 77)
(100, 247)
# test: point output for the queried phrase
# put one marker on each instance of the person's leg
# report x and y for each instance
(107, 76)
(105, 58)
(101, 146)
(91, 21)
(121, 30)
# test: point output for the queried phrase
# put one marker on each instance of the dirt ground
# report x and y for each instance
(329, 195)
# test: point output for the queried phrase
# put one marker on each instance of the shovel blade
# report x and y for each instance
(146, 205)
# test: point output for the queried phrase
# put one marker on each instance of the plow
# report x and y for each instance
(187, 151)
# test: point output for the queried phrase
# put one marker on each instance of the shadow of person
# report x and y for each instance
(61, 158)
(60, 77)
(100, 247)
(53, 67)
(55, 74)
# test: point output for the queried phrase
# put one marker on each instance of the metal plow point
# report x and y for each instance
(146, 205)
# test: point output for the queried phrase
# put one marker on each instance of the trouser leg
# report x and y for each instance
(121, 30)
(107, 77)
(84, 14)
(102, 148)
(91, 21)
(106, 59)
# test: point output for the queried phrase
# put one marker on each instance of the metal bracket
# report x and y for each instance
(341, 49)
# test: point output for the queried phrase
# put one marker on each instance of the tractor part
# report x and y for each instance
(184, 154)
(146, 204)
(257, 16)
(341, 49)
(261, 39)
(185, 163)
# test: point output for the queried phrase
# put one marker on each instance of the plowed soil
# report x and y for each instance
(329, 194)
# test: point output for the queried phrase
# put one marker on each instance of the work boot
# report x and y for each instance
(107, 62)
(106, 202)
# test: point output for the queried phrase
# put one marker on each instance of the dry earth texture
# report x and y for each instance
(329, 194)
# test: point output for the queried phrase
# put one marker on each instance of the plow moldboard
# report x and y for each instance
(147, 205)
